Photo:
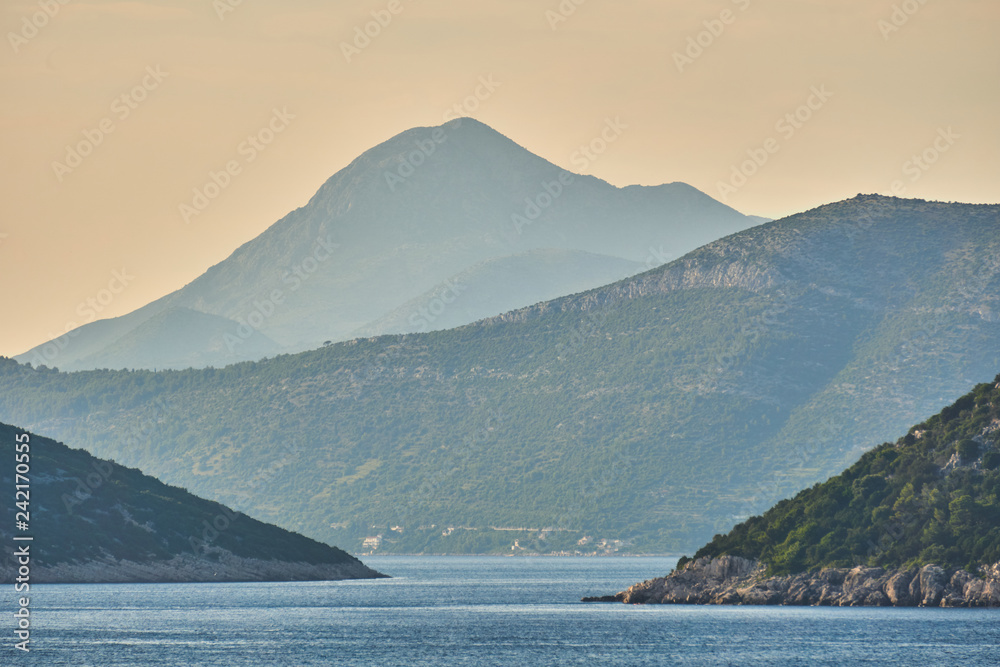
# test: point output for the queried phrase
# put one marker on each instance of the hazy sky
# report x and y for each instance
(698, 85)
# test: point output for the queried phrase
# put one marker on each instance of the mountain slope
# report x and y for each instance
(182, 338)
(96, 521)
(644, 416)
(507, 283)
(371, 240)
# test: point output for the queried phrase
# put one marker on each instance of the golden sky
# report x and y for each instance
(831, 97)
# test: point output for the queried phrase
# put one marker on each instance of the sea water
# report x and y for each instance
(475, 611)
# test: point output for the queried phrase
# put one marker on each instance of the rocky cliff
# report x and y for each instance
(735, 580)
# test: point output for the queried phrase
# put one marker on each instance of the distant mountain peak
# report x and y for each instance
(406, 216)
(468, 132)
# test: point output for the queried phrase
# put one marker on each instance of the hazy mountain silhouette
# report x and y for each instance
(402, 219)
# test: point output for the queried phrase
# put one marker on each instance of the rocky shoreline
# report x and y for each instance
(734, 580)
(186, 568)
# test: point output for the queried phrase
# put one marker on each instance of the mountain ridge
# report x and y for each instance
(688, 272)
(365, 244)
(644, 417)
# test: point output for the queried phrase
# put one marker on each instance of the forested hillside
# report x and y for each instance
(91, 520)
(933, 496)
(644, 416)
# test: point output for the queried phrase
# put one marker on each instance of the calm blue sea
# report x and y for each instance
(476, 611)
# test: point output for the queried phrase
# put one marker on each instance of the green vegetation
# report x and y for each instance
(82, 508)
(932, 497)
(658, 411)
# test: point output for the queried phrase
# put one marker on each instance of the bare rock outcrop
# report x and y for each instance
(735, 580)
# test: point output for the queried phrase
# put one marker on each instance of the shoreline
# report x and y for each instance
(520, 555)
(731, 580)
(186, 569)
